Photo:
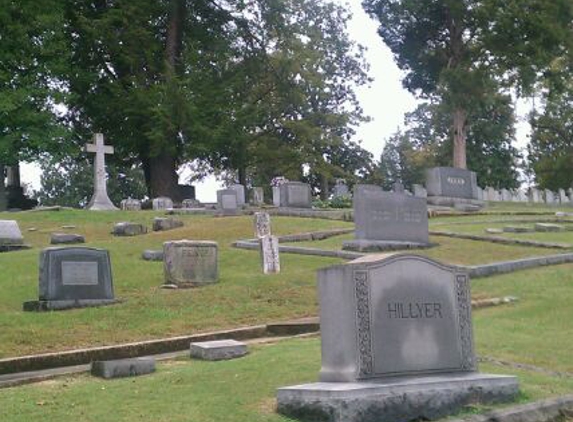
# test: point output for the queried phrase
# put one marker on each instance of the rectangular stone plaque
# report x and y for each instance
(190, 263)
(295, 195)
(451, 182)
(270, 260)
(227, 202)
(79, 273)
(394, 315)
(387, 216)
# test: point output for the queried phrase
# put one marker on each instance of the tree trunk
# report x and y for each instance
(323, 187)
(163, 177)
(459, 132)
(242, 175)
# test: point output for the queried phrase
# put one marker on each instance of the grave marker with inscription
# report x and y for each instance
(386, 220)
(397, 344)
(270, 260)
(131, 204)
(227, 202)
(258, 196)
(448, 186)
(262, 224)
(162, 203)
(190, 263)
(295, 195)
(240, 189)
(73, 277)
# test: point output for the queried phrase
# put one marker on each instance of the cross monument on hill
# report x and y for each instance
(100, 201)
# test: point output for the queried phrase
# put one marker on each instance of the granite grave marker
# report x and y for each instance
(190, 263)
(295, 195)
(227, 202)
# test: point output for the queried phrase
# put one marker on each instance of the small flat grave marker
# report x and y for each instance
(120, 368)
(126, 228)
(218, 350)
(66, 238)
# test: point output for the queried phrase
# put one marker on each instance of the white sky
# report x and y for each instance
(385, 101)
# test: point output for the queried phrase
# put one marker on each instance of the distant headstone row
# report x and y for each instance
(533, 195)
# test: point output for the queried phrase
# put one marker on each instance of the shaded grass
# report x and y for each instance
(184, 390)
(453, 251)
(243, 296)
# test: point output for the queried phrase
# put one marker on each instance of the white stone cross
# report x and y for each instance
(100, 201)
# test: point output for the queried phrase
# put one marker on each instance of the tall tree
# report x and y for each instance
(451, 49)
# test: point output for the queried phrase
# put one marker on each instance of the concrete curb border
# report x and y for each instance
(539, 411)
(503, 240)
(486, 270)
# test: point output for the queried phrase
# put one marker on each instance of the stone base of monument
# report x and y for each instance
(450, 201)
(60, 305)
(394, 399)
(365, 245)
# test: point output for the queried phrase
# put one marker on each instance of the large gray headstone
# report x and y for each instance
(131, 204)
(258, 196)
(162, 203)
(190, 263)
(385, 219)
(240, 189)
(341, 189)
(72, 277)
(451, 182)
(295, 195)
(227, 202)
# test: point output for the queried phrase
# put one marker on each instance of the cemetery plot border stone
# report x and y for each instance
(549, 227)
(109, 369)
(152, 255)
(165, 224)
(218, 350)
(190, 263)
(126, 228)
(73, 277)
(66, 238)
(517, 229)
(11, 238)
(397, 344)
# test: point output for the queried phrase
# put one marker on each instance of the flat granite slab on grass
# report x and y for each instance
(123, 367)
(218, 350)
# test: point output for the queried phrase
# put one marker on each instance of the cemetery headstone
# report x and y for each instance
(262, 224)
(341, 189)
(258, 196)
(191, 203)
(295, 195)
(563, 196)
(218, 349)
(549, 197)
(534, 195)
(479, 193)
(164, 224)
(570, 191)
(108, 369)
(448, 185)
(152, 255)
(490, 194)
(386, 220)
(190, 263)
(126, 228)
(270, 260)
(549, 227)
(397, 344)
(420, 191)
(162, 203)
(11, 238)
(73, 277)
(66, 238)
(505, 195)
(186, 191)
(100, 201)
(277, 196)
(131, 204)
(227, 202)
(240, 189)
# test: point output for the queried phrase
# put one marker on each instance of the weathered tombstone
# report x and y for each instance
(131, 204)
(191, 203)
(258, 196)
(126, 228)
(489, 193)
(534, 195)
(227, 202)
(11, 238)
(563, 196)
(295, 195)
(386, 220)
(100, 201)
(162, 203)
(549, 227)
(341, 189)
(420, 191)
(549, 197)
(505, 195)
(522, 196)
(397, 344)
(448, 185)
(66, 238)
(108, 369)
(190, 263)
(262, 224)
(277, 196)
(269, 248)
(218, 349)
(164, 224)
(479, 193)
(152, 255)
(73, 277)
(240, 189)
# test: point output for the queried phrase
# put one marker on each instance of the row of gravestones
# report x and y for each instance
(533, 195)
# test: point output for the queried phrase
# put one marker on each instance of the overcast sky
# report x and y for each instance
(385, 101)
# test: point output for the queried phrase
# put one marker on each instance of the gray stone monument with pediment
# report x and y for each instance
(73, 277)
(388, 220)
(448, 186)
(227, 202)
(190, 263)
(397, 345)
(295, 195)
(100, 201)
(11, 238)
